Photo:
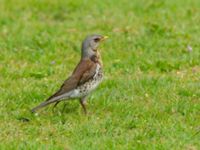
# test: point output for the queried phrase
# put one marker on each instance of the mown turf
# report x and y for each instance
(150, 98)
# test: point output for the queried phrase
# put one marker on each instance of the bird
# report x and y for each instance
(85, 78)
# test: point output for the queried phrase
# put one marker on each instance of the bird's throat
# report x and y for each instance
(97, 58)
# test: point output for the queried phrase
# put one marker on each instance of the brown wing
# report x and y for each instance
(82, 73)
(88, 74)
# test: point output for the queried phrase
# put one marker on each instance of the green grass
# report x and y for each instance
(150, 98)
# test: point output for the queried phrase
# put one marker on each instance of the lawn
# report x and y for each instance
(149, 99)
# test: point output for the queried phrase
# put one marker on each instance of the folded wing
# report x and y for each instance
(84, 71)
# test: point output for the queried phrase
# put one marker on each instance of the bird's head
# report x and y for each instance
(90, 45)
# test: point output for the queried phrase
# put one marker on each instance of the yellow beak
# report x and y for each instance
(104, 38)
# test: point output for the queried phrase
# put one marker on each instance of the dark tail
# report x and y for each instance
(52, 99)
(45, 103)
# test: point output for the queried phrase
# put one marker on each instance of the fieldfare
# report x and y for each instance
(85, 78)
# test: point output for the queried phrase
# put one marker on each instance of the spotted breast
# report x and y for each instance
(90, 85)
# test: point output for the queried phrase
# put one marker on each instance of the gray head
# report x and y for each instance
(90, 45)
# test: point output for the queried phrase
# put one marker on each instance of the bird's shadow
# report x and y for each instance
(65, 108)
(60, 111)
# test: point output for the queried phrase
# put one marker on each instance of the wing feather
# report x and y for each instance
(83, 72)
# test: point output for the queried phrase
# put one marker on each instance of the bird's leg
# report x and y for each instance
(83, 103)
(55, 105)
(65, 104)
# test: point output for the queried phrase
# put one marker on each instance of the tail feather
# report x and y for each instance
(43, 104)
(52, 100)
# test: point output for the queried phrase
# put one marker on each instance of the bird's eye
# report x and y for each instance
(97, 40)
